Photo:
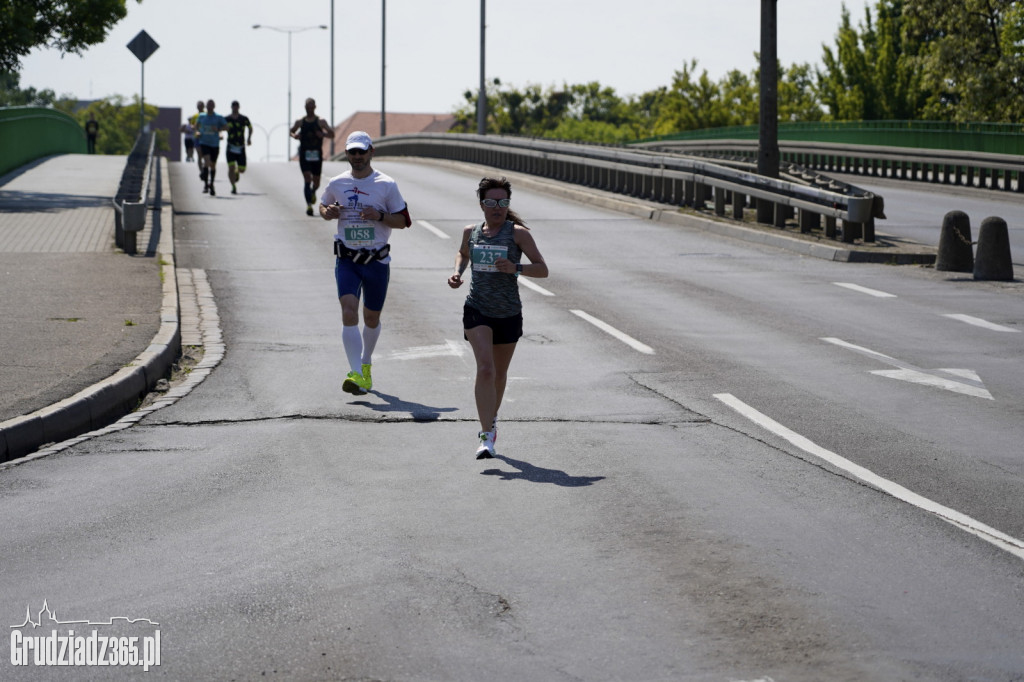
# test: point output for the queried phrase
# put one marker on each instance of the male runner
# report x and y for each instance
(210, 125)
(367, 205)
(310, 131)
(237, 123)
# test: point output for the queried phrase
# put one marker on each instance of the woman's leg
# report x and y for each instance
(502, 359)
(481, 339)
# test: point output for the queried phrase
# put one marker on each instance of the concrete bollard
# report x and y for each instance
(955, 251)
(994, 261)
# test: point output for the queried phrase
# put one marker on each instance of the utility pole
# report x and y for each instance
(383, 66)
(768, 137)
(481, 102)
(768, 141)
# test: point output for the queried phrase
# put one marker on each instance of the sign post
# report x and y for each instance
(143, 46)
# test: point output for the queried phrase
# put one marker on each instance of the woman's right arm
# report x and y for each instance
(461, 259)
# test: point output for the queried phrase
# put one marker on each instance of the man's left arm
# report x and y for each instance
(328, 130)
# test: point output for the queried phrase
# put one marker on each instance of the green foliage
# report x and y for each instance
(119, 123)
(66, 25)
(972, 64)
(945, 60)
(11, 95)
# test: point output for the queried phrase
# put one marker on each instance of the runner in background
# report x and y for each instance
(310, 131)
(237, 123)
(210, 125)
(193, 121)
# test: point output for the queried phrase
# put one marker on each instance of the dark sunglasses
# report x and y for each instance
(357, 152)
(491, 203)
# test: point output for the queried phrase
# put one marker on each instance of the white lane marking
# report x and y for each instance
(969, 384)
(859, 349)
(621, 336)
(864, 290)
(985, 324)
(449, 347)
(962, 521)
(536, 287)
(433, 229)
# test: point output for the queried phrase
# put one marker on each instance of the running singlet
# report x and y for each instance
(493, 293)
(236, 133)
(310, 143)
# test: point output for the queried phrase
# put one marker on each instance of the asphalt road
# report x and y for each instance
(790, 468)
(914, 210)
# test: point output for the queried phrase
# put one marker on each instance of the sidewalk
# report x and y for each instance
(85, 330)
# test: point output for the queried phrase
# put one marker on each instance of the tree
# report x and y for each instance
(119, 122)
(874, 73)
(67, 25)
(973, 64)
(11, 94)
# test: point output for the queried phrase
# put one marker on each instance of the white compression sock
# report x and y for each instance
(353, 342)
(370, 336)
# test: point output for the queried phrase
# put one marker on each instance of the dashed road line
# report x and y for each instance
(962, 521)
(431, 228)
(984, 324)
(864, 290)
(536, 287)
(621, 336)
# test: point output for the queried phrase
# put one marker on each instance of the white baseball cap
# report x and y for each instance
(358, 140)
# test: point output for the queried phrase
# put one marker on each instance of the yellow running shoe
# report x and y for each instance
(353, 384)
(367, 382)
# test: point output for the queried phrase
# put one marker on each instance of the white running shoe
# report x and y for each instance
(486, 449)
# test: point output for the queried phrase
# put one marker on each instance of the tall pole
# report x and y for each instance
(142, 101)
(288, 138)
(332, 74)
(768, 142)
(383, 34)
(290, 31)
(481, 102)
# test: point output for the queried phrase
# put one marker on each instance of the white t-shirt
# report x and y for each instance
(377, 191)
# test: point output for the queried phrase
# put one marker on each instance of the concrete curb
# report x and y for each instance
(107, 401)
(670, 214)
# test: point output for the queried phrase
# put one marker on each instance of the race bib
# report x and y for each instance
(312, 155)
(235, 148)
(357, 231)
(484, 256)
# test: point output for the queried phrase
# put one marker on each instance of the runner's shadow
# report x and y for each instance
(535, 474)
(419, 412)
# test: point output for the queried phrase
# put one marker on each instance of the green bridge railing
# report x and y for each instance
(995, 138)
(30, 133)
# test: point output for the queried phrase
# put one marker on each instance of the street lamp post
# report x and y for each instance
(266, 134)
(289, 30)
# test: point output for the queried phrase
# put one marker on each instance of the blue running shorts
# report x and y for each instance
(369, 279)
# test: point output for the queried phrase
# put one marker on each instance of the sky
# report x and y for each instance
(208, 49)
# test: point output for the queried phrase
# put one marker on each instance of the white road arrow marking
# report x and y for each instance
(449, 347)
(967, 382)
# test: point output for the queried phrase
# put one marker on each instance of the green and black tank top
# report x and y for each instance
(493, 293)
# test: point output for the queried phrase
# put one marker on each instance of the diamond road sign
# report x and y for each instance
(143, 46)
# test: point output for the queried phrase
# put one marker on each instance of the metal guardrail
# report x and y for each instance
(972, 169)
(651, 175)
(132, 198)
